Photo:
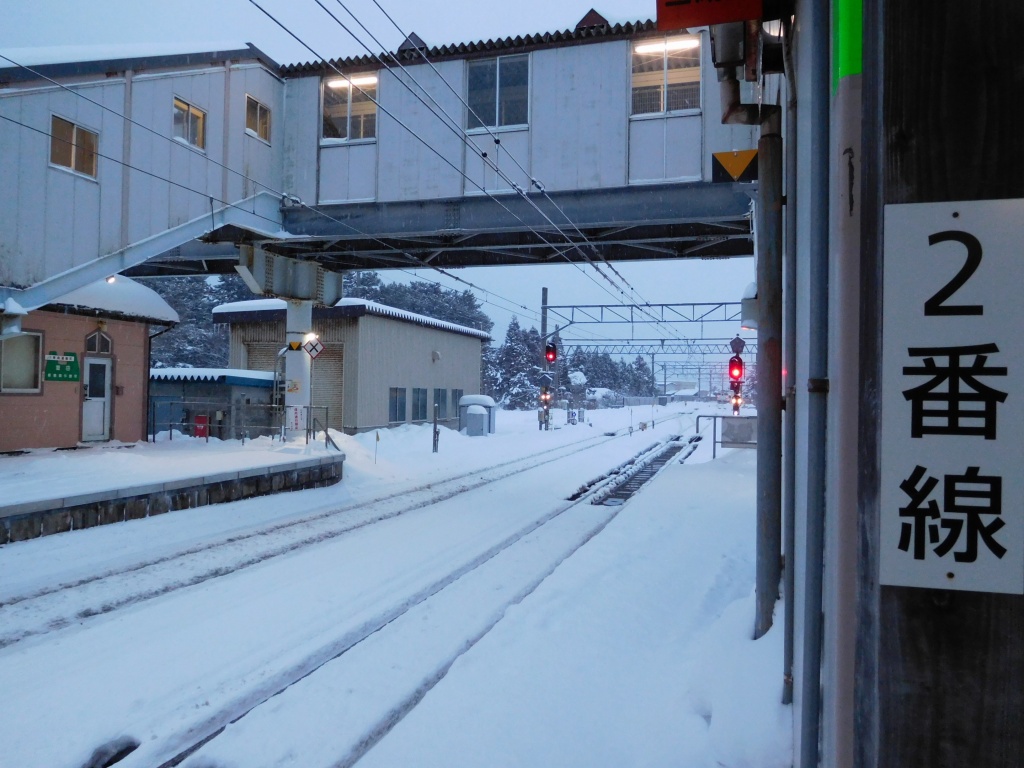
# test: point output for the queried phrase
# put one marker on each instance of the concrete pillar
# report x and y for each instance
(297, 367)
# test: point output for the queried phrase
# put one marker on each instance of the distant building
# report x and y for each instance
(380, 366)
(78, 371)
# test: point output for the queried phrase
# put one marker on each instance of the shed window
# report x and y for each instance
(666, 75)
(257, 119)
(72, 146)
(350, 108)
(20, 362)
(419, 404)
(441, 401)
(396, 405)
(499, 91)
(189, 124)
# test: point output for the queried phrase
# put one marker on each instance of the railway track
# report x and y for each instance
(76, 602)
(495, 561)
(483, 575)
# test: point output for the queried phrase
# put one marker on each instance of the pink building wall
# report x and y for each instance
(52, 418)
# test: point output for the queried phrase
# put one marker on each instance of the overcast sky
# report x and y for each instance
(191, 23)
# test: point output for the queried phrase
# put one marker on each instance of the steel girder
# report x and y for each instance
(693, 220)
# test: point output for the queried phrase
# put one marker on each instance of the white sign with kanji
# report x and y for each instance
(952, 421)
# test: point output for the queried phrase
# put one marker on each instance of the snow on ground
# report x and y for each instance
(634, 651)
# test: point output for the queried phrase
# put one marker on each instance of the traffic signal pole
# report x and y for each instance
(769, 368)
(544, 337)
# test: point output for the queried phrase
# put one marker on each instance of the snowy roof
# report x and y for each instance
(348, 308)
(481, 400)
(372, 308)
(123, 297)
(225, 375)
(252, 305)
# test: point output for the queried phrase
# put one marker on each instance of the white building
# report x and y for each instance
(379, 367)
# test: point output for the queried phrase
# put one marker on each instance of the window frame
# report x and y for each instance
(38, 388)
(496, 125)
(75, 146)
(457, 394)
(189, 110)
(396, 397)
(665, 69)
(100, 337)
(374, 99)
(420, 399)
(441, 400)
(260, 107)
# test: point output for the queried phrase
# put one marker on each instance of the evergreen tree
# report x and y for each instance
(423, 298)
(362, 284)
(490, 372)
(195, 342)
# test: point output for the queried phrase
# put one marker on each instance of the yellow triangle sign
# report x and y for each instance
(294, 345)
(736, 162)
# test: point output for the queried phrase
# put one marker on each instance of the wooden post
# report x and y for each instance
(940, 674)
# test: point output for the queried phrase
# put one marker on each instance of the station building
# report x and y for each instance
(78, 371)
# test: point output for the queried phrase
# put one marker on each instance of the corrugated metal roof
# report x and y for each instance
(582, 34)
(225, 375)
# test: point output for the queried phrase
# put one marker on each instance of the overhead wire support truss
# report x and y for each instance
(652, 347)
(705, 312)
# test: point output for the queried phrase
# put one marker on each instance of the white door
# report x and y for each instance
(96, 399)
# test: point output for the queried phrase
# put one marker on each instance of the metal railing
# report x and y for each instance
(227, 421)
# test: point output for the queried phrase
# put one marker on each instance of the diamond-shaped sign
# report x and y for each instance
(313, 347)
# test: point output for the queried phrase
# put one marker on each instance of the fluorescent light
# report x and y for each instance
(356, 81)
(678, 44)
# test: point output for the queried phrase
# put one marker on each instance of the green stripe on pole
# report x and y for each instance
(847, 39)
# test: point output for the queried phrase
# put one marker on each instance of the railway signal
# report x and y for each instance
(545, 397)
(735, 371)
(736, 382)
(550, 352)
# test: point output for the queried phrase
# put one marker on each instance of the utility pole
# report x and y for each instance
(940, 672)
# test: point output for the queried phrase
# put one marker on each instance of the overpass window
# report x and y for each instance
(189, 124)
(20, 361)
(419, 404)
(350, 107)
(257, 119)
(72, 146)
(666, 75)
(499, 91)
(396, 405)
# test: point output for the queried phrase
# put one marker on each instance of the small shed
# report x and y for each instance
(228, 403)
(483, 402)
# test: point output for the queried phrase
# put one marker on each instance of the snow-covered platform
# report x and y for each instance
(48, 492)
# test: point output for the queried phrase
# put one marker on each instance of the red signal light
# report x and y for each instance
(550, 352)
(735, 368)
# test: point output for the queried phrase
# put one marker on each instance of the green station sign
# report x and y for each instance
(62, 367)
